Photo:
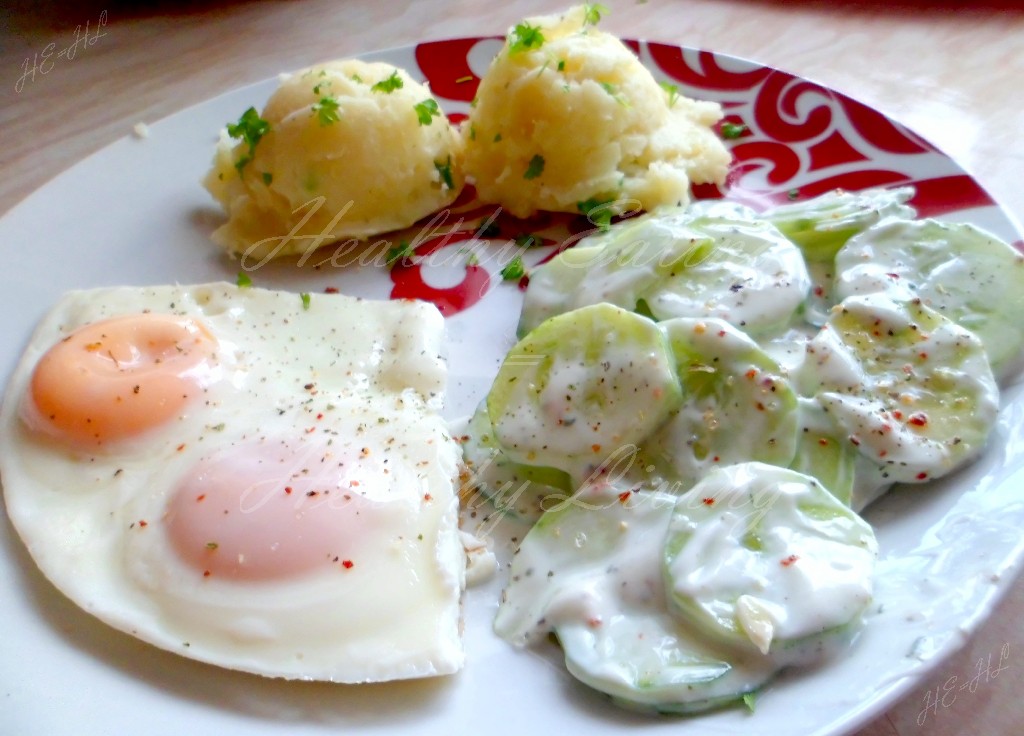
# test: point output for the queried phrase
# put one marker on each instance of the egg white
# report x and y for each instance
(360, 378)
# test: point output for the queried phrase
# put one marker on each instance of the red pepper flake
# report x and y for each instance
(354, 484)
(331, 290)
(206, 573)
(596, 448)
(594, 622)
(823, 442)
(181, 447)
(721, 333)
(918, 419)
(427, 497)
(897, 414)
(760, 406)
(624, 496)
(922, 476)
(320, 416)
(310, 430)
(923, 356)
(200, 497)
(893, 275)
(883, 453)
(819, 291)
(855, 441)
(708, 501)
(715, 459)
(789, 560)
(750, 374)
(347, 564)
(143, 523)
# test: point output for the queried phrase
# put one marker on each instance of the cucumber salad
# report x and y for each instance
(701, 403)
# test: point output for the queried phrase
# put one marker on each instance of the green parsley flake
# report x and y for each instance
(212, 545)
(497, 137)
(445, 170)
(673, 92)
(327, 110)
(527, 241)
(732, 131)
(306, 299)
(249, 129)
(561, 65)
(524, 37)
(592, 13)
(389, 85)
(398, 253)
(356, 78)
(514, 270)
(750, 700)
(535, 168)
(597, 211)
(243, 281)
(267, 178)
(427, 110)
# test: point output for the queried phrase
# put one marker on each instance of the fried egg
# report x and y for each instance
(255, 479)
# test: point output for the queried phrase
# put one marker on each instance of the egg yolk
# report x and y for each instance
(265, 511)
(116, 379)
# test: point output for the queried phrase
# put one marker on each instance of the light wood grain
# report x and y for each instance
(950, 70)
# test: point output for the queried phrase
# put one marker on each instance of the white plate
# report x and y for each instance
(134, 213)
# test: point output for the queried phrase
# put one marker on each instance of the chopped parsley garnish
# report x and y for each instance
(267, 178)
(389, 85)
(356, 78)
(472, 132)
(673, 92)
(750, 700)
(592, 13)
(524, 37)
(249, 129)
(497, 137)
(597, 211)
(535, 168)
(306, 298)
(427, 110)
(445, 170)
(212, 545)
(514, 270)
(527, 241)
(561, 65)
(732, 131)
(327, 110)
(243, 281)
(398, 253)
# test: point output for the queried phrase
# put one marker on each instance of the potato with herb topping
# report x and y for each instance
(567, 117)
(345, 149)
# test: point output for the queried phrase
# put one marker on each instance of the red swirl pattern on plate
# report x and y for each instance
(800, 139)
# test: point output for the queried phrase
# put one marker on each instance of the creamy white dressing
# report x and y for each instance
(782, 562)
(591, 574)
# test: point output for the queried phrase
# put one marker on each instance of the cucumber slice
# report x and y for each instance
(822, 453)
(582, 386)
(712, 263)
(765, 557)
(523, 491)
(552, 284)
(821, 226)
(737, 405)
(966, 274)
(590, 572)
(912, 390)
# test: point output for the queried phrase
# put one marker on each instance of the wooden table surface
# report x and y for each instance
(950, 70)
